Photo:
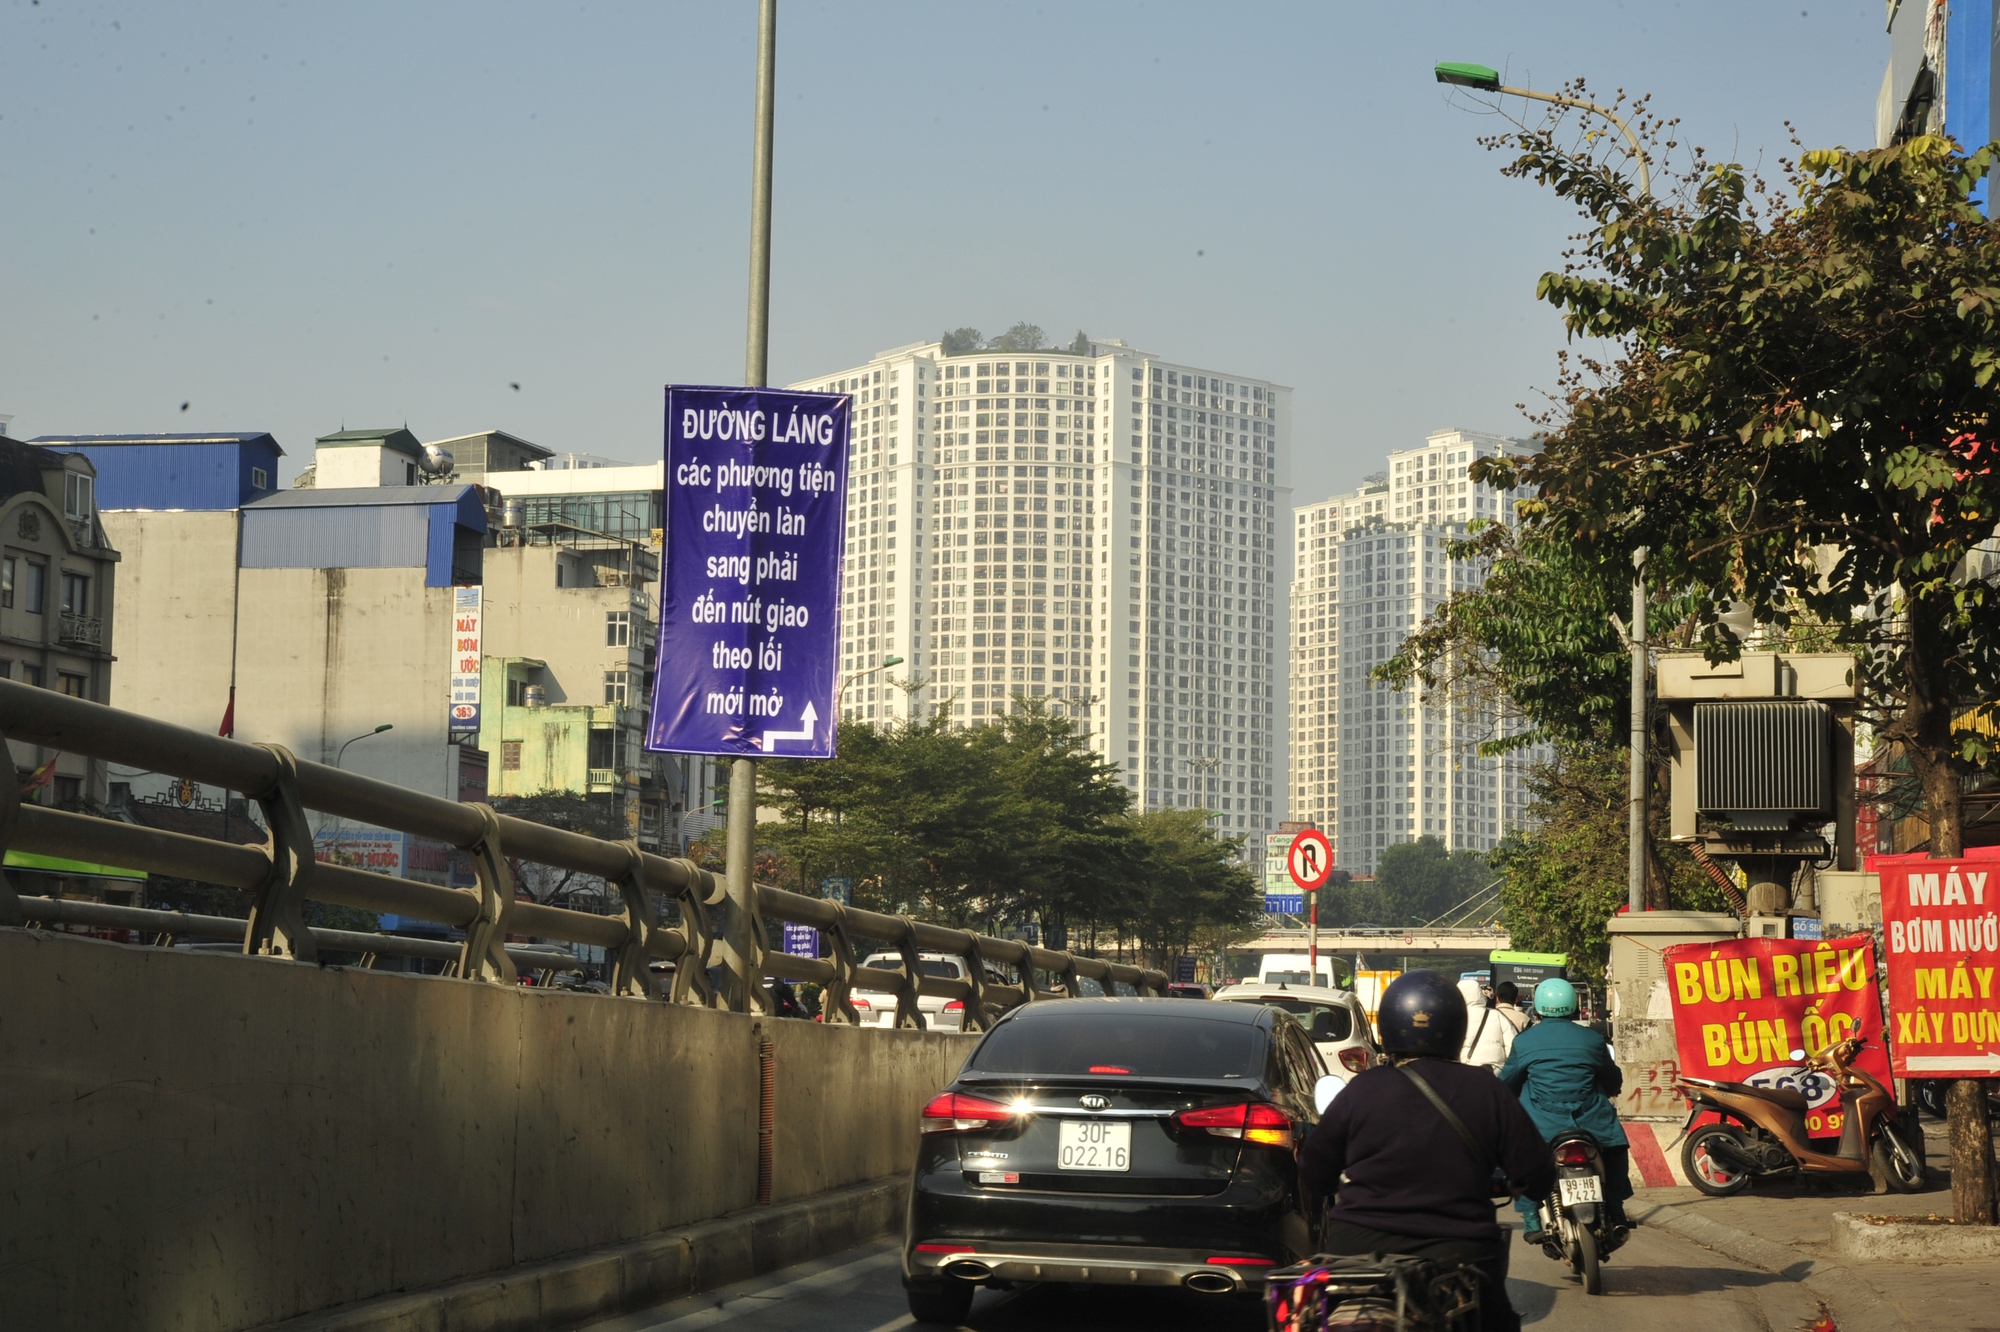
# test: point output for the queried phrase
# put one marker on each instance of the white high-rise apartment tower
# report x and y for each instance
(1371, 766)
(1098, 530)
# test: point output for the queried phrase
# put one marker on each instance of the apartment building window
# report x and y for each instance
(69, 790)
(76, 686)
(7, 568)
(617, 629)
(78, 496)
(259, 479)
(35, 580)
(75, 593)
(614, 686)
(31, 674)
(510, 756)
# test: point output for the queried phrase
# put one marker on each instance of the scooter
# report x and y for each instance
(1763, 1135)
(1574, 1226)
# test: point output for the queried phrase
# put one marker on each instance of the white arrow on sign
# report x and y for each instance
(1989, 1063)
(803, 733)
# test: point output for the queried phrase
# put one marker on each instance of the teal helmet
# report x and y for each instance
(1555, 998)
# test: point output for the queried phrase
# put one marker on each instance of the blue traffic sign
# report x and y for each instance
(750, 594)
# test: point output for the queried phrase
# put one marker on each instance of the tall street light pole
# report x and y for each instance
(1486, 79)
(739, 946)
(847, 680)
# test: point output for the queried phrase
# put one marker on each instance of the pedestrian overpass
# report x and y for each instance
(1388, 941)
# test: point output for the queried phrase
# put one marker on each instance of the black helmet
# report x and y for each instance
(1422, 1013)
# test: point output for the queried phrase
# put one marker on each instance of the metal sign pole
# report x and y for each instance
(739, 943)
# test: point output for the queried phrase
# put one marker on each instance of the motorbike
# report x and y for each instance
(1763, 1134)
(1574, 1225)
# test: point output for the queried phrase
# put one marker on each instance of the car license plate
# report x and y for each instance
(1581, 1189)
(1094, 1144)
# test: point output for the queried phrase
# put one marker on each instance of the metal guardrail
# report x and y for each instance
(283, 874)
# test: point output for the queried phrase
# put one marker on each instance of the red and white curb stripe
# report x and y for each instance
(1656, 1167)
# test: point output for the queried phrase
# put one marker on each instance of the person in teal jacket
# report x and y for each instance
(1564, 1075)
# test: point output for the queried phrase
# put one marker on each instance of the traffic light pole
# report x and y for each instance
(739, 949)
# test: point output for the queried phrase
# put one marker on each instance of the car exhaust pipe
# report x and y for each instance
(1209, 1283)
(968, 1269)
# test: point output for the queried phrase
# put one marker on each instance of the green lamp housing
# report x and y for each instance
(1469, 76)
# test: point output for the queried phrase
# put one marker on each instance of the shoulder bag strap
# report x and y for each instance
(1480, 1157)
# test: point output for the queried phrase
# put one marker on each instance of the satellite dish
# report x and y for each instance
(437, 461)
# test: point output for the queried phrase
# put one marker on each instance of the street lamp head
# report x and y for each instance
(1469, 76)
(892, 661)
(385, 726)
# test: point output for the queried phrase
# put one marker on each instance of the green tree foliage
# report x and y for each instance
(1080, 344)
(1795, 417)
(986, 827)
(1023, 337)
(1191, 883)
(1563, 877)
(959, 341)
(1415, 884)
(592, 815)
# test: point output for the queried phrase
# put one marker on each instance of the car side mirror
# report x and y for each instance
(1325, 1090)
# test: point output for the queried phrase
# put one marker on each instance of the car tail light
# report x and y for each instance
(955, 1006)
(953, 1112)
(1354, 1059)
(1252, 1121)
(946, 1248)
(860, 1005)
(1108, 1068)
(1224, 1260)
(1573, 1154)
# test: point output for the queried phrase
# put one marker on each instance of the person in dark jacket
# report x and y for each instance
(1564, 1075)
(1411, 1184)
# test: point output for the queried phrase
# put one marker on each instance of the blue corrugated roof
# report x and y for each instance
(470, 509)
(212, 471)
(342, 496)
(362, 527)
(228, 437)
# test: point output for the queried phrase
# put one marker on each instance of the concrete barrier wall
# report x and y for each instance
(196, 1140)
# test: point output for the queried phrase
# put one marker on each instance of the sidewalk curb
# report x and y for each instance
(599, 1283)
(1855, 1305)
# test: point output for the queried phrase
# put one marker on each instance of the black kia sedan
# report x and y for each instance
(1132, 1142)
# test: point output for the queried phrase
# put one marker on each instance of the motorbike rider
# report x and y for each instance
(1489, 1038)
(1565, 1076)
(1507, 1003)
(1416, 1192)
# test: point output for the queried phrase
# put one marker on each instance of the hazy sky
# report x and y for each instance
(292, 217)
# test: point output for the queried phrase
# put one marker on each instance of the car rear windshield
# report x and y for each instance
(1114, 1043)
(1323, 1022)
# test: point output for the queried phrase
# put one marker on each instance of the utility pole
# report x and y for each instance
(739, 951)
(1635, 853)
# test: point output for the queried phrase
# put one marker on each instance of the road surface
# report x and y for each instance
(1656, 1281)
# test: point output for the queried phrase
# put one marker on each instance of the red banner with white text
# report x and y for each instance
(1941, 928)
(1741, 1006)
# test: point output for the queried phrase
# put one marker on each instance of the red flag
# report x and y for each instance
(41, 776)
(229, 715)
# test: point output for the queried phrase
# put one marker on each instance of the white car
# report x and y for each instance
(877, 1008)
(1334, 1019)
